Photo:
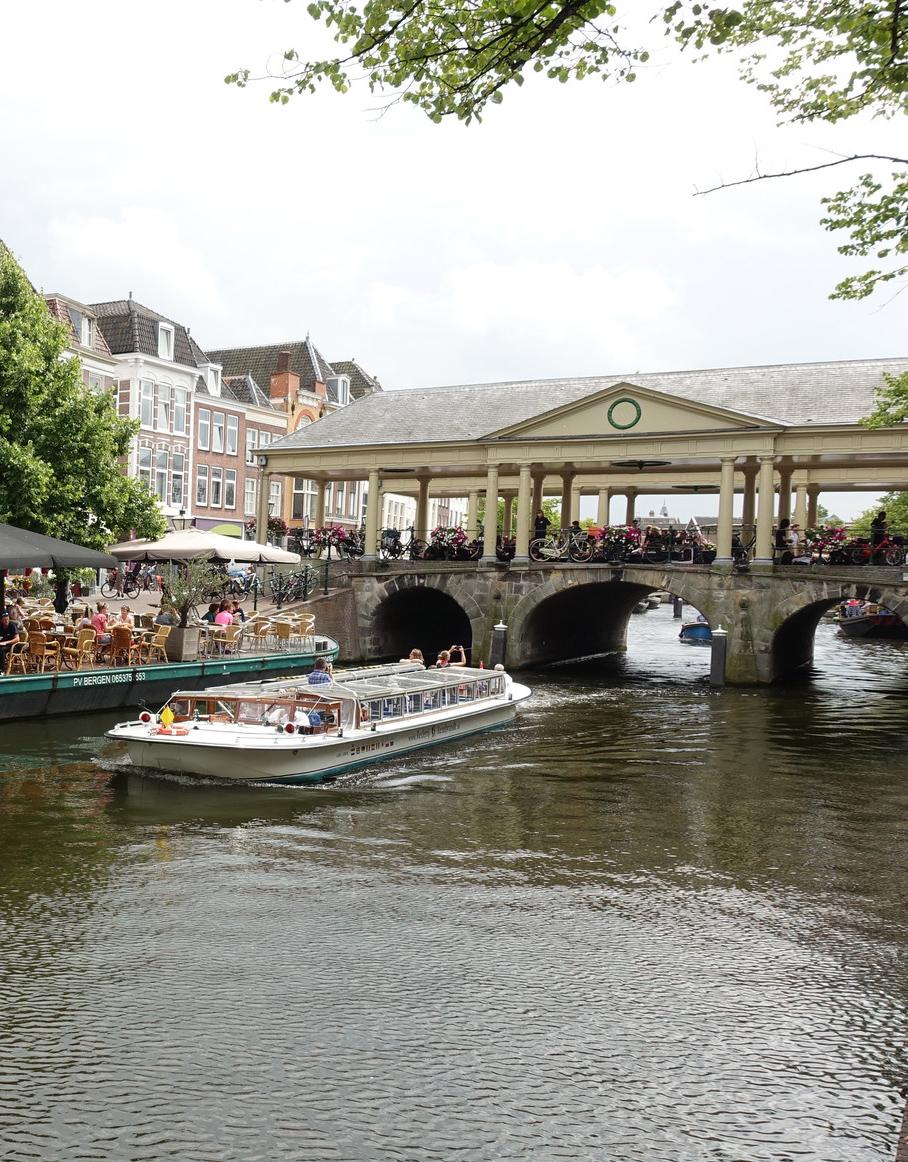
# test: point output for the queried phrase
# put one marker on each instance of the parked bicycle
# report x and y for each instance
(117, 583)
(391, 547)
(889, 551)
(562, 546)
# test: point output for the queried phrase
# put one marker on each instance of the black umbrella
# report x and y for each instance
(21, 549)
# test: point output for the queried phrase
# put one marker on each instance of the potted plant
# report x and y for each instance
(185, 585)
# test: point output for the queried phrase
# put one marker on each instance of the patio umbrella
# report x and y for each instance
(187, 544)
(22, 549)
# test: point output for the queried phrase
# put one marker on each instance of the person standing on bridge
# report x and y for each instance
(541, 525)
(878, 528)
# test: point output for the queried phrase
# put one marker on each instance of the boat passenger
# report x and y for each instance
(319, 675)
(445, 658)
(415, 656)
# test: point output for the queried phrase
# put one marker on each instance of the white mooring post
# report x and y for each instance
(717, 657)
(499, 644)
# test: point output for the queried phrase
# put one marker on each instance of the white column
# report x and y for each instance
(750, 498)
(261, 508)
(525, 518)
(490, 528)
(319, 517)
(538, 481)
(813, 496)
(784, 493)
(422, 510)
(373, 512)
(566, 492)
(800, 516)
(726, 508)
(629, 512)
(507, 522)
(472, 509)
(575, 504)
(763, 552)
(605, 497)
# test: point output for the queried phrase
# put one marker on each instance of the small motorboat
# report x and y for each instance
(641, 606)
(654, 600)
(287, 731)
(867, 619)
(696, 633)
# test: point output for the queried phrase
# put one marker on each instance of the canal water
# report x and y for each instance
(650, 921)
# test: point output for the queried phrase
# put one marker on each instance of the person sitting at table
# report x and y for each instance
(237, 611)
(210, 614)
(99, 623)
(9, 633)
(223, 615)
(126, 618)
(166, 616)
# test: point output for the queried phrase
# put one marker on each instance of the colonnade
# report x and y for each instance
(758, 506)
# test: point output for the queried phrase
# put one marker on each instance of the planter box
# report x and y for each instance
(182, 645)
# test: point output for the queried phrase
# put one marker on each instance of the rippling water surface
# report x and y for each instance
(649, 921)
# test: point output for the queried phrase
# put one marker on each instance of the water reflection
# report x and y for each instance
(651, 921)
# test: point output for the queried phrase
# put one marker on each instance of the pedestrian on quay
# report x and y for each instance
(540, 525)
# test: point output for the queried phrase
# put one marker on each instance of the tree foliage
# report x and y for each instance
(816, 60)
(894, 504)
(60, 442)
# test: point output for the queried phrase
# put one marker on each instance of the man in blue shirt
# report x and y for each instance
(320, 675)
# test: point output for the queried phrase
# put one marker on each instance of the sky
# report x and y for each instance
(560, 237)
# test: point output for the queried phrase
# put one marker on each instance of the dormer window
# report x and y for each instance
(165, 341)
(214, 380)
(86, 336)
(341, 386)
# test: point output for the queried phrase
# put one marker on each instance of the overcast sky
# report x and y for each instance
(560, 237)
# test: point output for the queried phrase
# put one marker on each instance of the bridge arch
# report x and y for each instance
(415, 611)
(797, 617)
(576, 615)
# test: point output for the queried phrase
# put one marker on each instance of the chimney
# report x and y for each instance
(284, 383)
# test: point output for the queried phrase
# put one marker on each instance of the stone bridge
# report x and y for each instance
(555, 613)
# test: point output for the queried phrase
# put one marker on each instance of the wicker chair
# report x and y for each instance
(153, 648)
(41, 651)
(17, 658)
(122, 648)
(80, 651)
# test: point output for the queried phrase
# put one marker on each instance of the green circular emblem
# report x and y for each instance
(635, 417)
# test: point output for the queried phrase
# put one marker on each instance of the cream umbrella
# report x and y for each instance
(188, 544)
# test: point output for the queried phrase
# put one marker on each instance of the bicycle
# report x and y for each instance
(119, 585)
(392, 548)
(888, 551)
(562, 546)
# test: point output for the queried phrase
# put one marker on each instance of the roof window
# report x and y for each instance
(165, 341)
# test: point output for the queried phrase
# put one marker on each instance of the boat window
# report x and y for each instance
(497, 685)
(180, 708)
(482, 688)
(414, 703)
(250, 711)
(467, 692)
(431, 699)
(375, 710)
(392, 707)
(449, 695)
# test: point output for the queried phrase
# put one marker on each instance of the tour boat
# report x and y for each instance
(288, 731)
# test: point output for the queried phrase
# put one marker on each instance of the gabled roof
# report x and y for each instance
(361, 382)
(130, 327)
(783, 394)
(306, 361)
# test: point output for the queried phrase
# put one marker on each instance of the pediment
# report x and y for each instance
(625, 409)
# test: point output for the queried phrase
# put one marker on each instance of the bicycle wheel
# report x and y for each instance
(893, 555)
(131, 589)
(581, 552)
(417, 550)
(858, 555)
(108, 590)
(536, 548)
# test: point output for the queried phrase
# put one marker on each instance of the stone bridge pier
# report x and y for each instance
(573, 611)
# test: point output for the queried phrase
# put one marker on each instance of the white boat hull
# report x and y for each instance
(231, 754)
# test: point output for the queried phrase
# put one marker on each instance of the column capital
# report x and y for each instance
(770, 459)
(727, 459)
(813, 490)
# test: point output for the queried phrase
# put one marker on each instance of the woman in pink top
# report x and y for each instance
(99, 623)
(223, 615)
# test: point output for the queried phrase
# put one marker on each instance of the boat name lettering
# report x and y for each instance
(371, 746)
(108, 679)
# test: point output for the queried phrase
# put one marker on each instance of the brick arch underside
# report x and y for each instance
(563, 622)
(411, 614)
(799, 616)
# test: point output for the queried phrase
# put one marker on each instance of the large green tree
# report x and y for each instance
(816, 60)
(60, 442)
